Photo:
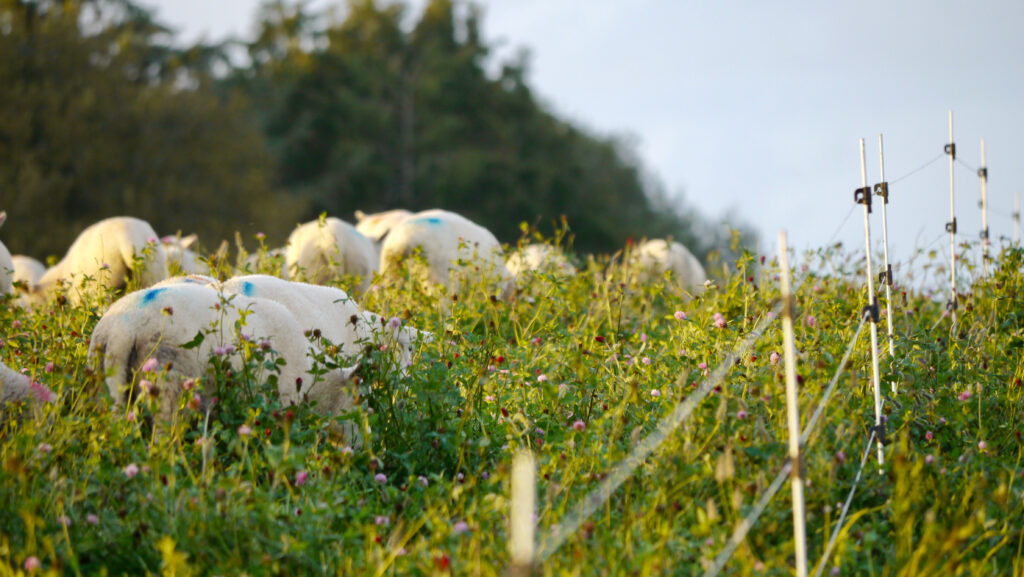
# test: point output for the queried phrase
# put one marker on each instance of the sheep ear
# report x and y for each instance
(360, 215)
(188, 241)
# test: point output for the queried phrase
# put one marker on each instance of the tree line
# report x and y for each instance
(103, 113)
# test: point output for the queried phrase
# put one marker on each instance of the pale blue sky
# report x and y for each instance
(758, 106)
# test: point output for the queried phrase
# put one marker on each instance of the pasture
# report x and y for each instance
(578, 370)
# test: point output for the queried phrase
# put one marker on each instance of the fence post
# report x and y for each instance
(793, 413)
(983, 175)
(863, 196)
(951, 225)
(521, 523)
(882, 189)
(1016, 217)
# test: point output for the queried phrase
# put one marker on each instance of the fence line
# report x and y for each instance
(586, 506)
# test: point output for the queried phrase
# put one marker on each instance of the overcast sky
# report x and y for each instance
(757, 107)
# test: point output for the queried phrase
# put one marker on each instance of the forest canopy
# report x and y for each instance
(103, 112)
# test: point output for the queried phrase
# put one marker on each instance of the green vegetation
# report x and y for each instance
(567, 369)
(102, 115)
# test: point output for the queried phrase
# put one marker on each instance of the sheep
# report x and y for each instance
(16, 387)
(154, 323)
(6, 264)
(27, 270)
(377, 226)
(332, 312)
(540, 257)
(453, 247)
(657, 256)
(320, 250)
(180, 255)
(105, 251)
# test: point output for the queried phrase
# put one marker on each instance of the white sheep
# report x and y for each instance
(455, 249)
(180, 255)
(331, 311)
(154, 323)
(657, 256)
(376, 226)
(539, 257)
(27, 270)
(323, 249)
(6, 264)
(16, 387)
(105, 252)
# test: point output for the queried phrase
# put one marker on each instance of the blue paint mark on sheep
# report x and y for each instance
(248, 288)
(151, 295)
(431, 220)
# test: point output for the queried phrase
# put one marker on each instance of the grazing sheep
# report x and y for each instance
(657, 256)
(27, 270)
(6, 265)
(16, 387)
(154, 323)
(453, 246)
(539, 257)
(181, 257)
(320, 250)
(331, 311)
(377, 226)
(105, 251)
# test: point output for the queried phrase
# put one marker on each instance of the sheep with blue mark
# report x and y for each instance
(324, 249)
(455, 250)
(105, 252)
(155, 323)
(377, 226)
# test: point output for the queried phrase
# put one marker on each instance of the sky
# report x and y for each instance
(756, 108)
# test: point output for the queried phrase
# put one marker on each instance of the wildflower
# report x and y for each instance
(655, 393)
(460, 527)
(381, 478)
(541, 378)
(680, 316)
(646, 360)
(346, 451)
(485, 475)
(92, 519)
(260, 236)
(741, 414)
(32, 564)
(707, 283)
(394, 323)
(264, 344)
(929, 436)
(150, 365)
(929, 459)
(422, 481)
(535, 341)
(381, 520)
(489, 398)
(300, 478)
(219, 351)
(719, 321)
(130, 416)
(64, 521)
(16, 325)
(145, 385)
(562, 389)
(579, 425)
(982, 445)
(44, 447)
(188, 384)
(841, 457)
(810, 320)
(774, 358)
(195, 402)
(539, 432)
(49, 367)
(131, 470)
(643, 337)
(42, 393)
(964, 395)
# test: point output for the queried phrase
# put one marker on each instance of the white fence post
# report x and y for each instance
(882, 190)
(793, 413)
(523, 507)
(863, 196)
(983, 175)
(951, 225)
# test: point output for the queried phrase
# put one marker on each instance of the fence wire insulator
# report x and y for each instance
(951, 305)
(885, 277)
(951, 226)
(984, 233)
(983, 172)
(800, 470)
(879, 431)
(882, 190)
(950, 148)
(863, 196)
(871, 311)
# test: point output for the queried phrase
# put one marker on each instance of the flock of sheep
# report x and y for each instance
(138, 344)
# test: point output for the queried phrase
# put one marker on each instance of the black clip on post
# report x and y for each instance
(863, 196)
